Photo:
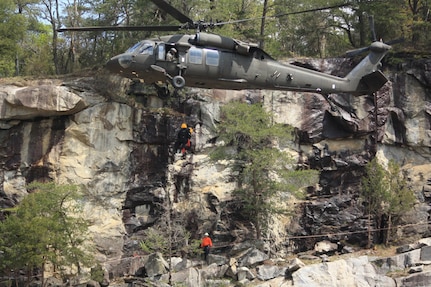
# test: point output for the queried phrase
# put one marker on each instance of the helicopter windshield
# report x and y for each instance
(143, 47)
(131, 49)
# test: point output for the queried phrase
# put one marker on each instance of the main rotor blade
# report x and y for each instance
(283, 14)
(122, 28)
(187, 23)
(162, 4)
(312, 10)
(373, 30)
(396, 41)
(353, 53)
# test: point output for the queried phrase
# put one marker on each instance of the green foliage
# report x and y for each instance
(167, 239)
(374, 186)
(385, 192)
(37, 60)
(154, 241)
(42, 229)
(97, 273)
(264, 171)
(12, 29)
(27, 50)
(249, 126)
(402, 198)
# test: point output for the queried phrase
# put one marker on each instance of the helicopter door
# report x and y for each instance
(167, 62)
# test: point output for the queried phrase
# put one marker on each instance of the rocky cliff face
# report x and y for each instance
(115, 140)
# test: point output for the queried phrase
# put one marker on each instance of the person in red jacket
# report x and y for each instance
(206, 244)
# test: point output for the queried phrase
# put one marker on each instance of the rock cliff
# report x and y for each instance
(115, 139)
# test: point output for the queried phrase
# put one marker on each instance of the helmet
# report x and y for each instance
(206, 234)
(173, 50)
(183, 125)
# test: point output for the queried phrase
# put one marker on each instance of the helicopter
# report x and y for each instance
(212, 61)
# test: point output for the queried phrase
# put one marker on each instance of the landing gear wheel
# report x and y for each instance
(178, 82)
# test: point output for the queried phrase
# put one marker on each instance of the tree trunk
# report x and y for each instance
(43, 274)
(170, 238)
(262, 25)
(369, 230)
(388, 229)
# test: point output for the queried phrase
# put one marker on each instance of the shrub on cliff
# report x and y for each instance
(263, 171)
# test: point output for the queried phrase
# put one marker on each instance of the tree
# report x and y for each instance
(12, 29)
(420, 22)
(386, 197)
(262, 171)
(35, 51)
(44, 228)
(402, 199)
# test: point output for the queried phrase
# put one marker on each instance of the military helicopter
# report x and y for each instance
(207, 60)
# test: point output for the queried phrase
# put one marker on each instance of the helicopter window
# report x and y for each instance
(131, 49)
(161, 52)
(146, 49)
(195, 56)
(212, 58)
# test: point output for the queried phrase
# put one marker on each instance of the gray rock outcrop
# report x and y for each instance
(116, 144)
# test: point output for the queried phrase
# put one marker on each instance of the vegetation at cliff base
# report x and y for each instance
(44, 228)
(386, 198)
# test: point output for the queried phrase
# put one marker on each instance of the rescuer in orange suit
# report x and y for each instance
(206, 244)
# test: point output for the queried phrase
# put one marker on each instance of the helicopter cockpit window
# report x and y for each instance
(146, 49)
(134, 47)
(212, 57)
(195, 56)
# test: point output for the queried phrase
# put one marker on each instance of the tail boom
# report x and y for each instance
(366, 76)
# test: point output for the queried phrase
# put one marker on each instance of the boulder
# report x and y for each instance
(341, 273)
(46, 100)
(155, 265)
(213, 271)
(252, 257)
(267, 272)
(245, 274)
(399, 262)
(325, 246)
(426, 253)
(232, 268)
(415, 280)
(189, 277)
(181, 264)
(217, 259)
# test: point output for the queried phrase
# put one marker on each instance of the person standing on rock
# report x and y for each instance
(206, 244)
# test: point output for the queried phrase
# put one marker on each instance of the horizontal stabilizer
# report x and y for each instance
(373, 82)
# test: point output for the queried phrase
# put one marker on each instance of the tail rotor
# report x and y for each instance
(355, 52)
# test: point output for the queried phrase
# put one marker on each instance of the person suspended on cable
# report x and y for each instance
(183, 143)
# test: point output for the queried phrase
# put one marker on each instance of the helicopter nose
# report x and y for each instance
(119, 62)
